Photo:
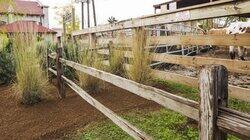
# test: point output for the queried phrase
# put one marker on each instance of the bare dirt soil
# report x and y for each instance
(54, 118)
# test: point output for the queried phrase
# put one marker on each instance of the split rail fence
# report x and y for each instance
(214, 117)
(221, 8)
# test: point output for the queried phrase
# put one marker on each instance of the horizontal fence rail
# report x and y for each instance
(215, 40)
(234, 91)
(215, 9)
(179, 104)
(195, 61)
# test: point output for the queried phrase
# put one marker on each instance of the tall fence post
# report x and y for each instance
(92, 40)
(48, 66)
(59, 68)
(213, 95)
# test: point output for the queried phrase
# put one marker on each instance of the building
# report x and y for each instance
(171, 5)
(28, 27)
(24, 10)
(179, 28)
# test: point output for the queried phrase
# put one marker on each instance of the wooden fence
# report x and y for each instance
(221, 8)
(215, 118)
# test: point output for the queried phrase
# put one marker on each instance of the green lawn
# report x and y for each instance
(162, 124)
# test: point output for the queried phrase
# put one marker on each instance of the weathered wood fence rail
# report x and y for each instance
(215, 119)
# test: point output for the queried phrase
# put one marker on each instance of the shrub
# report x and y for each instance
(70, 52)
(7, 65)
(140, 70)
(31, 81)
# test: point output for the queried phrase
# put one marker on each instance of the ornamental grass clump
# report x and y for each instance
(140, 70)
(91, 59)
(31, 81)
(117, 57)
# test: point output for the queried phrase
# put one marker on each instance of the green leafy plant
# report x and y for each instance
(7, 63)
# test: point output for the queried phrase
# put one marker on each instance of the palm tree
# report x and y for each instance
(112, 20)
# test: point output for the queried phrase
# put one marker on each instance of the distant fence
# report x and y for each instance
(215, 118)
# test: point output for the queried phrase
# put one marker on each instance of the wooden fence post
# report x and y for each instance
(213, 95)
(111, 49)
(48, 66)
(59, 68)
(92, 40)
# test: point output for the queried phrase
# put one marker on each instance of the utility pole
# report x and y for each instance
(94, 14)
(73, 19)
(88, 11)
(82, 15)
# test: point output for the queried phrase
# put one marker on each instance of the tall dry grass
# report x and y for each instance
(140, 70)
(4, 40)
(31, 81)
(91, 59)
(117, 57)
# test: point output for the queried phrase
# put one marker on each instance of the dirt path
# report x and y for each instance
(53, 118)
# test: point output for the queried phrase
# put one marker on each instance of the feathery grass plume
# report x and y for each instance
(116, 57)
(91, 59)
(31, 82)
(4, 41)
(42, 47)
(140, 70)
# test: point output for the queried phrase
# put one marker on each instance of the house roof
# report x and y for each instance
(25, 26)
(23, 7)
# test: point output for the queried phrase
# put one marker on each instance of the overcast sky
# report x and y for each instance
(120, 9)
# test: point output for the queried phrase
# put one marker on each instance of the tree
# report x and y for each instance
(61, 11)
(112, 20)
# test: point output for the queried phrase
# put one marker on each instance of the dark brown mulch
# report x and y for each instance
(53, 118)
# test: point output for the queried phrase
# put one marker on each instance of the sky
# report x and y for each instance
(120, 9)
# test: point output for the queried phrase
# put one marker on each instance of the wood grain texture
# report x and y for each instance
(234, 122)
(59, 68)
(215, 40)
(196, 61)
(236, 66)
(213, 95)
